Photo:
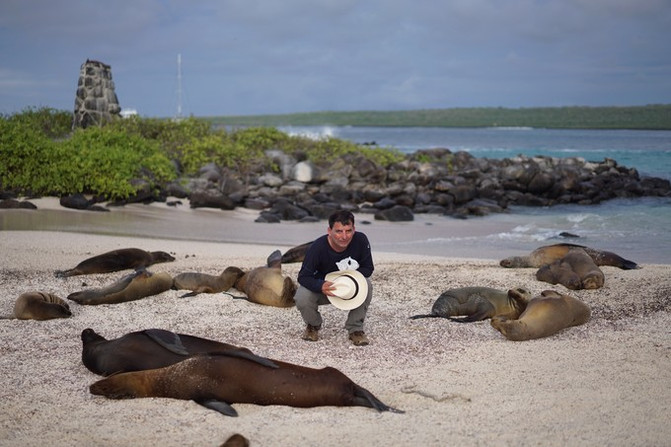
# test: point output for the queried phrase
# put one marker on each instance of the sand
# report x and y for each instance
(607, 382)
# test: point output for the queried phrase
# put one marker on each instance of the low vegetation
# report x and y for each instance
(42, 155)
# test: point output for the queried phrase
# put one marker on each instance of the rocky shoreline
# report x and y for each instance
(436, 181)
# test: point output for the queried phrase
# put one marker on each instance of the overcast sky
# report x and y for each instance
(243, 57)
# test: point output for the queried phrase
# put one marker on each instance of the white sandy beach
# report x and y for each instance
(604, 383)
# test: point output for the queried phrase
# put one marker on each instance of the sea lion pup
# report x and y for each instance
(550, 253)
(150, 349)
(204, 283)
(544, 315)
(477, 303)
(266, 285)
(577, 270)
(117, 260)
(296, 254)
(134, 286)
(218, 381)
(39, 306)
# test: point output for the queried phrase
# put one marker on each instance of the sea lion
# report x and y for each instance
(150, 349)
(39, 306)
(204, 283)
(236, 440)
(217, 381)
(296, 254)
(543, 316)
(117, 260)
(577, 270)
(550, 253)
(266, 285)
(477, 303)
(134, 286)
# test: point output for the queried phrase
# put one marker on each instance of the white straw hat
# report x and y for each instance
(351, 289)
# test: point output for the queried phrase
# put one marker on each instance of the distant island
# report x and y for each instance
(648, 117)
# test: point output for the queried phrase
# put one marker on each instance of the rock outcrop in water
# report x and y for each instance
(96, 101)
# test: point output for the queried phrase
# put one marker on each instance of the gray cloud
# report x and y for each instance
(262, 56)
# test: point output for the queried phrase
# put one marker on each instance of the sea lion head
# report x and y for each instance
(161, 256)
(90, 336)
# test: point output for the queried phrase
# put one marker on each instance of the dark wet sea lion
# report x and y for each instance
(477, 303)
(267, 286)
(218, 381)
(117, 260)
(134, 286)
(150, 349)
(39, 306)
(296, 254)
(577, 270)
(544, 315)
(550, 253)
(204, 283)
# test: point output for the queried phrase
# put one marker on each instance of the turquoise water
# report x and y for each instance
(641, 227)
(647, 151)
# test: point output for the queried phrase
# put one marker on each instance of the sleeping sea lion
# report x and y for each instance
(134, 286)
(266, 285)
(550, 253)
(217, 381)
(39, 306)
(575, 271)
(477, 303)
(544, 315)
(204, 283)
(150, 349)
(117, 260)
(296, 254)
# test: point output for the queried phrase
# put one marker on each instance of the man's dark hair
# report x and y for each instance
(343, 216)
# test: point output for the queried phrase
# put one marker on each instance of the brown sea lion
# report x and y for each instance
(477, 303)
(577, 270)
(544, 315)
(296, 254)
(236, 440)
(266, 285)
(150, 349)
(550, 253)
(204, 283)
(217, 381)
(117, 260)
(134, 286)
(39, 306)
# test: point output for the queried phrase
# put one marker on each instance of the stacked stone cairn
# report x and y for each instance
(96, 102)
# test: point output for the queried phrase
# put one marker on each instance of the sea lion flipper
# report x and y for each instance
(365, 398)
(275, 259)
(168, 340)
(188, 295)
(218, 405)
(415, 317)
(250, 356)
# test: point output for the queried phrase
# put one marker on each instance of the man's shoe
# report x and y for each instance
(311, 333)
(358, 338)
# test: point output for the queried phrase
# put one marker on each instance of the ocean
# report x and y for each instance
(640, 228)
(637, 229)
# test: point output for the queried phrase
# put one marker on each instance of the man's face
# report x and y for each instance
(340, 235)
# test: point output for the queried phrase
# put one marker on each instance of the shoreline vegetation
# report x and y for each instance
(648, 117)
(146, 158)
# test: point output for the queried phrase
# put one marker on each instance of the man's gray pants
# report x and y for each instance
(308, 302)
